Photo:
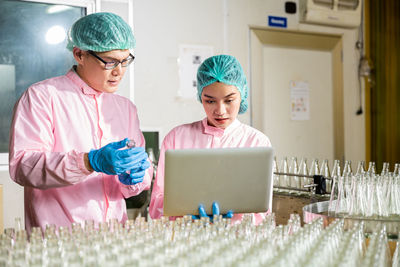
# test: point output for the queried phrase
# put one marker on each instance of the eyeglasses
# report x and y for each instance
(109, 65)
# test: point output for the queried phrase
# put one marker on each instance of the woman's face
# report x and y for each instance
(221, 103)
(92, 71)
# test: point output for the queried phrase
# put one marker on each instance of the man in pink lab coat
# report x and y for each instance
(69, 134)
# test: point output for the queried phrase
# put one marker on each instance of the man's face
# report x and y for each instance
(93, 71)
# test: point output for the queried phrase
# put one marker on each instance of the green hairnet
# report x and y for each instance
(226, 69)
(101, 32)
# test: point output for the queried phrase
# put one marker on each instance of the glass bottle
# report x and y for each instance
(336, 178)
(396, 255)
(130, 143)
(18, 224)
(346, 196)
(275, 169)
(396, 169)
(360, 168)
(303, 169)
(284, 168)
(347, 168)
(327, 174)
(294, 181)
(336, 168)
(395, 190)
(371, 168)
(385, 169)
(315, 170)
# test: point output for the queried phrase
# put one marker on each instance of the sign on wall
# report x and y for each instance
(190, 58)
(299, 101)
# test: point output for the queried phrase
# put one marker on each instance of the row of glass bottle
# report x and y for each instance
(367, 193)
(196, 243)
(284, 182)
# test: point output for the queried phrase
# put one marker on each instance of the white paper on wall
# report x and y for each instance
(299, 100)
(190, 58)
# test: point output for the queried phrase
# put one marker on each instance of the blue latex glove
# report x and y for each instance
(136, 175)
(215, 210)
(111, 160)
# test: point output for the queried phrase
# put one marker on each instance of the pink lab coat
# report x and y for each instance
(55, 122)
(200, 135)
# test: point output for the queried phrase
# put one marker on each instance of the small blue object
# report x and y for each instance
(280, 22)
(215, 210)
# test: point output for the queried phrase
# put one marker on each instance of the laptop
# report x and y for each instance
(237, 178)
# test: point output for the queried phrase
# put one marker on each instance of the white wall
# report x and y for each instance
(312, 138)
(160, 27)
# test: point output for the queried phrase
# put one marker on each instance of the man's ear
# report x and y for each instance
(78, 54)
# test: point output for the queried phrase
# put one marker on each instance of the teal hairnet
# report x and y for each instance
(101, 32)
(226, 69)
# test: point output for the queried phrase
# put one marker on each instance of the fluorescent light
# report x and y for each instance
(55, 35)
(57, 8)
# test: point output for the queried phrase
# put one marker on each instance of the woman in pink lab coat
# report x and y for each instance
(222, 89)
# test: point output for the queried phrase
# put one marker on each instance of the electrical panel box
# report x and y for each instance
(339, 13)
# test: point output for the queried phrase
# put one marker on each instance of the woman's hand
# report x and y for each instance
(215, 211)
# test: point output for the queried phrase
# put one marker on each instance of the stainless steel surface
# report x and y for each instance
(294, 188)
(301, 175)
(284, 204)
(320, 209)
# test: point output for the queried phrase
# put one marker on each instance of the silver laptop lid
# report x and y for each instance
(237, 178)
